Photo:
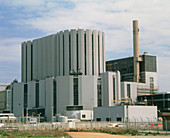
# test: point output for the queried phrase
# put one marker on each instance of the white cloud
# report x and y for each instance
(114, 17)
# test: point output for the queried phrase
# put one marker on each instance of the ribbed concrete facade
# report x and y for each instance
(64, 53)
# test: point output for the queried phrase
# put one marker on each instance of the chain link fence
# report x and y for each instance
(149, 126)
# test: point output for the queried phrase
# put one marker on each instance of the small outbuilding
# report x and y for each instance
(124, 113)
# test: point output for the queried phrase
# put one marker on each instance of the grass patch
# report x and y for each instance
(36, 133)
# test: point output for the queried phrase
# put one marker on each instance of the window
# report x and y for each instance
(98, 119)
(114, 95)
(99, 94)
(119, 119)
(151, 79)
(37, 95)
(75, 89)
(128, 91)
(108, 119)
(54, 97)
(83, 116)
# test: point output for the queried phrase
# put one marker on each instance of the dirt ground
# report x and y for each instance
(94, 135)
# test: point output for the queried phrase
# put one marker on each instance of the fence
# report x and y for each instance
(149, 126)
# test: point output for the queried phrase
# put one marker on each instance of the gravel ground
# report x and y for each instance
(94, 135)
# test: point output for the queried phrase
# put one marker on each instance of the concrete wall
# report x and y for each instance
(88, 91)
(112, 112)
(58, 54)
(31, 94)
(18, 99)
(107, 88)
(142, 113)
(49, 98)
(64, 94)
(133, 113)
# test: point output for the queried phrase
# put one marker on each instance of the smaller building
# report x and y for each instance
(161, 100)
(126, 113)
(83, 115)
(7, 118)
(5, 98)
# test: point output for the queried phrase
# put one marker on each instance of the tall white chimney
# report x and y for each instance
(136, 50)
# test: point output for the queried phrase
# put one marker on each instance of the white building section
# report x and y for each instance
(126, 113)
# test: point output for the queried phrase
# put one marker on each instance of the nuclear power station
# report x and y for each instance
(67, 71)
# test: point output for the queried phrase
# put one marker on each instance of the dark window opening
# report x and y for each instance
(119, 119)
(37, 95)
(108, 119)
(83, 116)
(128, 91)
(54, 97)
(75, 87)
(85, 54)
(114, 93)
(98, 119)
(99, 93)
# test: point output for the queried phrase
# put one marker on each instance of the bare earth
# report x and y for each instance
(94, 135)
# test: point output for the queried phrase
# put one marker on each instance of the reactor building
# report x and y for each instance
(64, 72)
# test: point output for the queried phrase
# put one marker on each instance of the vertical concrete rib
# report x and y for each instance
(73, 51)
(52, 38)
(66, 53)
(35, 43)
(28, 61)
(61, 53)
(103, 54)
(100, 52)
(39, 59)
(95, 52)
(89, 51)
(48, 55)
(58, 54)
(23, 62)
(44, 57)
(81, 51)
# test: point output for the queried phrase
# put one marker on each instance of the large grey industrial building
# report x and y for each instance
(66, 72)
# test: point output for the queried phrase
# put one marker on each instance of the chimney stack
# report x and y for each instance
(136, 50)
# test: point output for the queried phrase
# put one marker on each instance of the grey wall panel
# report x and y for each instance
(35, 71)
(42, 93)
(61, 54)
(88, 91)
(23, 64)
(41, 57)
(49, 98)
(31, 94)
(18, 99)
(58, 54)
(28, 61)
(52, 54)
(64, 93)
(103, 44)
(89, 51)
(66, 53)
(95, 61)
(44, 57)
(100, 45)
(73, 50)
(81, 54)
(48, 56)
(39, 62)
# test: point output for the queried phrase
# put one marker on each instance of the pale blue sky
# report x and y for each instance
(22, 20)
